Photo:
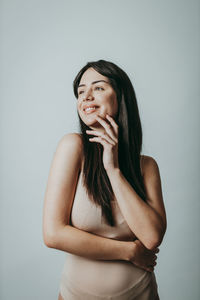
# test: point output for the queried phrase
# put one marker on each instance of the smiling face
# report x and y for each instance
(96, 96)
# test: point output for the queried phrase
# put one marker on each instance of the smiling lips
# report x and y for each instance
(88, 109)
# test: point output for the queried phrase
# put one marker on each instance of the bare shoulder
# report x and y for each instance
(151, 170)
(73, 139)
(70, 145)
(149, 164)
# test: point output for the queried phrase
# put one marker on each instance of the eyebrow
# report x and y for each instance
(94, 82)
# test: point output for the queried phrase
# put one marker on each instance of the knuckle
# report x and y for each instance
(150, 270)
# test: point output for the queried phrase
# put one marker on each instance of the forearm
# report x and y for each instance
(142, 219)
(73, 240)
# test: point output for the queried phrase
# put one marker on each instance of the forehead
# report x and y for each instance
(91, 75)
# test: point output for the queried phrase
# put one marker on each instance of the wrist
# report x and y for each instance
(113, 171)
(128, 251)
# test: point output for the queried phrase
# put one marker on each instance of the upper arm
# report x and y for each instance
(153, 187)
(61, 184)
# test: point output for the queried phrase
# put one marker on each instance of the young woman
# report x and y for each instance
(103, 202)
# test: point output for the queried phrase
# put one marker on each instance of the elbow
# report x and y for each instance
(49, 239)
(52, 237)
(153, 244)
(155, 241)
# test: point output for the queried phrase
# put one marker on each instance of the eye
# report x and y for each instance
(98, 88)
(80, 92)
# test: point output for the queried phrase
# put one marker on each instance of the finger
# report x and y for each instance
(107, 127)
(114, 124)
(155, 251)
(150, 269)
(99, 140)
(102, 135)
(154, 257)
(152, 260)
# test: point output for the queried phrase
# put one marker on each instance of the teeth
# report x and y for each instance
(90, 108)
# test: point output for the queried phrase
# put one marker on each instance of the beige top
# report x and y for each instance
(89, 279)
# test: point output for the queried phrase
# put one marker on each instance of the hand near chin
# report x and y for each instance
(109, 140)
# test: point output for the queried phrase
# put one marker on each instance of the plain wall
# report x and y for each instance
(43, 46)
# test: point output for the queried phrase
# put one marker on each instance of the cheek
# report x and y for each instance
(113, 101)
(78, 105)
(110, 99)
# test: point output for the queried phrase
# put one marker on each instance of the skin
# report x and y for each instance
(101, 94)
(105, 130)
(95, 89)
(146, 220)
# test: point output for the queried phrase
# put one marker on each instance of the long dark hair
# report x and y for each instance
(95, 178)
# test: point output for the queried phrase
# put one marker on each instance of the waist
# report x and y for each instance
(102, 277)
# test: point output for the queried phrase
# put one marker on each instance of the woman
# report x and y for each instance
(103, 201)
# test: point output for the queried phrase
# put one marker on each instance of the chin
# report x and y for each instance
(90, 122)
(94, 124)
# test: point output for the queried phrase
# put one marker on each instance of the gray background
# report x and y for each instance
(43, 46)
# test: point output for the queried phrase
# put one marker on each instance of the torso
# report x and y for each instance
(98, 277)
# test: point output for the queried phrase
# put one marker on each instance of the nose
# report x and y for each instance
(88, 95)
